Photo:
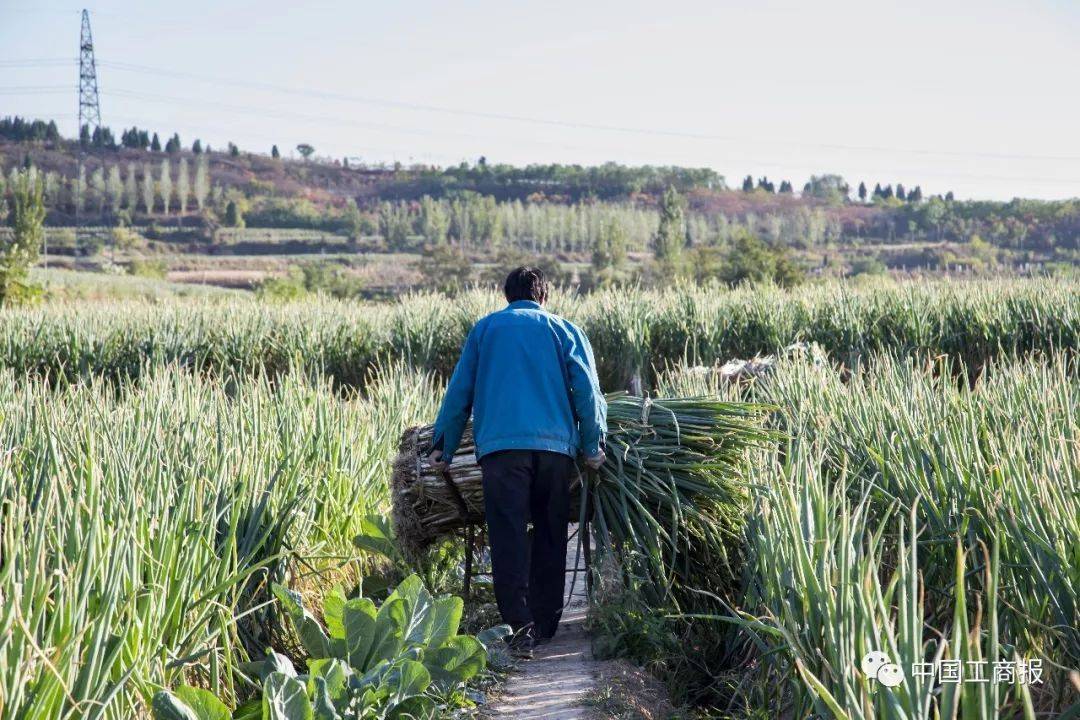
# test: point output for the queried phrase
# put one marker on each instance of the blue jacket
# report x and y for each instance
(529, 379)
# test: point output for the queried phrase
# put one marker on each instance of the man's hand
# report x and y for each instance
(436, 462)
(596, 461)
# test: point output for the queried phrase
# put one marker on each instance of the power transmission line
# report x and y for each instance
(507, 117)
(36, 89)
(279, 114)
(270, 140)
(248, 109)
(132, 67)
(39, 62)
(286, 115)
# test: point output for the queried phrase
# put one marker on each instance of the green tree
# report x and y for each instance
(305, 150)
(609, 255)
(671, 235)
(749, 259)
(131, 189)
(202, 183)
(708, 263)
(434, 220)
(788, 273)
(148, 189)
(827, 187)
(610, 249)
(102, 137)
(196, 147)
(508, 258)
(558, 274)
(395, 225)
(486, 219)
(124, 238)
(183, 186)
(869, 265)
(54, 186)
(155, 143)
(19, 250)
(862, 192)
(233, 215)
(352, 219)
(934, 212)
(97, 184)
(275, 153)
(114, 188)
(461, 222)
(80, 190)
(752, 260)
(165, 186)
(445, 269)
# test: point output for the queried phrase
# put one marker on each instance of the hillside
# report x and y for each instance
(179, 202)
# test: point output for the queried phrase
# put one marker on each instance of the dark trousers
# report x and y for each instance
(523, 486)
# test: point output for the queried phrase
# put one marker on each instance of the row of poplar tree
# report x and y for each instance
(152, 188)
(475, 222)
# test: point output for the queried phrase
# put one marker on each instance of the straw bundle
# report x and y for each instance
(425, 505)
(672, 480)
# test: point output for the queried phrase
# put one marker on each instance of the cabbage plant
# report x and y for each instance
(367, 663)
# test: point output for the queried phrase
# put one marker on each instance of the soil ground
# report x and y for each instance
(558, 682)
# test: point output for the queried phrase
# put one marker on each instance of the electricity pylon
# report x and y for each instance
(89, 110)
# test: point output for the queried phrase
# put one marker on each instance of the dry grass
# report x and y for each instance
(627, 692)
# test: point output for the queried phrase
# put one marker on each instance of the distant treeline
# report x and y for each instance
(568, 183)
(477, 221)
(482, 206)
(116, 193)
(19, 130)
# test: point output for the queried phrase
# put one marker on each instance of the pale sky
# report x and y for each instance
(976, 96)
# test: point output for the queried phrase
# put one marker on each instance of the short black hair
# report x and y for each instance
(526, 283)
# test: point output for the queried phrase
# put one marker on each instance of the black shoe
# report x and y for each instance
(522, 649)
(522, 643)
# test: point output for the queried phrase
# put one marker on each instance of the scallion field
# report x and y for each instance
(164, 464)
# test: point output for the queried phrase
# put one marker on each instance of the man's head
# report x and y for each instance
(526, 283)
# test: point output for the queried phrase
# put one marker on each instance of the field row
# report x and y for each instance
(912, 515)
(141, 529)
(907, 513)
(632, 331)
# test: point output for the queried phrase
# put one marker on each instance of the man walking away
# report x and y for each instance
(529, 379)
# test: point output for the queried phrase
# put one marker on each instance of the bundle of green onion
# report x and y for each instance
(669, 503)
(671, 500)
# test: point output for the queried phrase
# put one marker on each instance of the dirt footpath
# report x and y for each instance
(561, 675)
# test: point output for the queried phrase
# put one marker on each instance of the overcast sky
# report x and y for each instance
(979, 97)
